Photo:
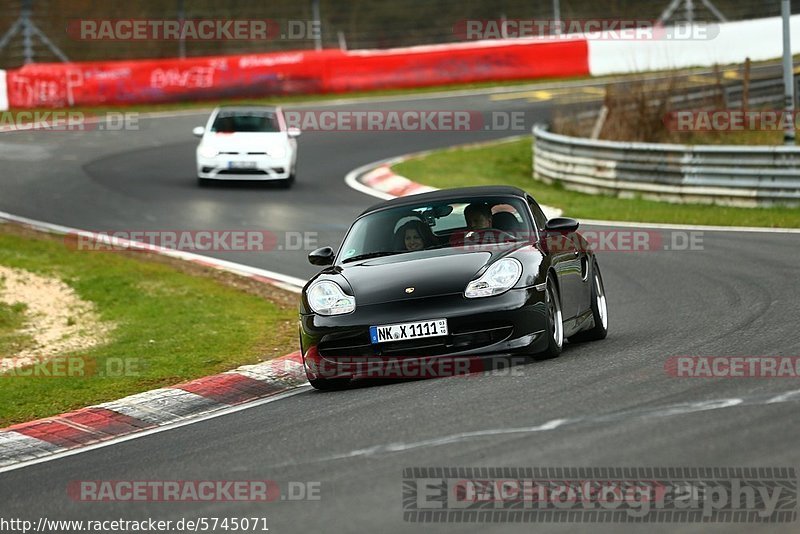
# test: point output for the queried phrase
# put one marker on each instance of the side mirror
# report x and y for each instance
(199, 131)
(562, 225)
(322, 256)
(293, 132)
(554, 239)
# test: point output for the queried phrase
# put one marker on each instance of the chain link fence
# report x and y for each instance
(354, 24)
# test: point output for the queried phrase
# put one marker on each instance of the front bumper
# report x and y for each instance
(224, 167)
(340, 346)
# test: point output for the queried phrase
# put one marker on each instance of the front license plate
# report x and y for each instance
(241, 164)
(403, 331)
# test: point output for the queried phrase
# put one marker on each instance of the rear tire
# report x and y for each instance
(555, 324)
(599, 310)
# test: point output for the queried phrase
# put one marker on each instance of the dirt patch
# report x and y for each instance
(281, 341)
(57, 319)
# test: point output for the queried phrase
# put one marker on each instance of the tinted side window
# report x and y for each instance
(538, 214)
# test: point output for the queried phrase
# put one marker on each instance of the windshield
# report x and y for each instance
(245, 121)
(473, 222)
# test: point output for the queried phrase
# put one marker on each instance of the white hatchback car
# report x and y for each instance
(246, 143)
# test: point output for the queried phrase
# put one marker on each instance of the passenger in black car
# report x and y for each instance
(413, 236)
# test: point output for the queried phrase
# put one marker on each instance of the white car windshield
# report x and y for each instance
(246, 121)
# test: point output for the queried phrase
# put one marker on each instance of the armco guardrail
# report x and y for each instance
(730, 175)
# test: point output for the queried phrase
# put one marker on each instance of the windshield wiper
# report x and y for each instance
(373, 255)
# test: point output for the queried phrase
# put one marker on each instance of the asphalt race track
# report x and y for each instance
(602, 404)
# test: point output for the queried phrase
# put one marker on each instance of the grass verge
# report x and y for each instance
(12, 320)
(175, 322)
(509, 163)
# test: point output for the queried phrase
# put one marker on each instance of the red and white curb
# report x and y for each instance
(384, 179)
(141, 412)
(145, 411)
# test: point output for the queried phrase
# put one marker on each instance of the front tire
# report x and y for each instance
(555, 323)
(288, 182)
(329, 384)
(599, 310)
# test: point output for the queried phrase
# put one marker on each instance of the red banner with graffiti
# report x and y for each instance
(295, 72)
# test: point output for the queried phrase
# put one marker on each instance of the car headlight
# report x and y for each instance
(499, 278)
(207, 151)
(277, 152)
(327, 298)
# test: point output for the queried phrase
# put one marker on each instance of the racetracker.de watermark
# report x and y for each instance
(608, 240)
(71, 367)
(192, 29)
(731, 120)
(603, 495)
(193, 490)
(405, 120)
(733, 366)
(191, 240)
(68, 121)
(592, 29)
(414, 367)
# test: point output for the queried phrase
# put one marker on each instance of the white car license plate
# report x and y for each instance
(242, 165)
(404, 331)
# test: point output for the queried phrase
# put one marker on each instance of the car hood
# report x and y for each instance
(430, 273)
(245, 141)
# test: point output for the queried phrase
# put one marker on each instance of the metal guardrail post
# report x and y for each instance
(317, 24)
(182, 20)
(788, 73)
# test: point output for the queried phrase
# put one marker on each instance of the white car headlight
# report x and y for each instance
(207, 151)
(327, 298)
(499, 278)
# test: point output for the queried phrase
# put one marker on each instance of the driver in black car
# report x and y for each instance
(478, 216)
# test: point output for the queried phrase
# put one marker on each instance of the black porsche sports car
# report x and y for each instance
(448, 274)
